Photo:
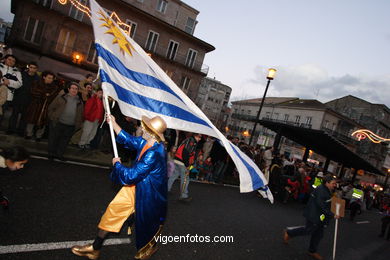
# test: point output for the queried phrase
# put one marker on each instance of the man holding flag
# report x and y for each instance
(145, 186)
(144, 91)
(141, 87)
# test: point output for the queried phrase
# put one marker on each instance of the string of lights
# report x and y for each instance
(85, 9)
(362, 134)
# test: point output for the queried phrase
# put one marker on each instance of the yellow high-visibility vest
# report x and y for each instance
(357, 194)
(317, 182)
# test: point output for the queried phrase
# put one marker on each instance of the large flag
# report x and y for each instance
(141, 87)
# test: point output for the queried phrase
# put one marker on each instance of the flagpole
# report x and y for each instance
(111, 128)
(336, 230)
(335, 239)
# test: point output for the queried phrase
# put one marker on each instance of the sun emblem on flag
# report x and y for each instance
(119, 37)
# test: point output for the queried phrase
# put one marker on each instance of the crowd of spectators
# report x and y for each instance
(41, 106)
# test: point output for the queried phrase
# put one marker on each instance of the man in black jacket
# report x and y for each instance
(22, 98)
(317, 214)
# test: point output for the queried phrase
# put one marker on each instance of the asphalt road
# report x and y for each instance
(58, 202)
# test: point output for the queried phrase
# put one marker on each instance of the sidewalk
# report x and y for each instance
(72, 153)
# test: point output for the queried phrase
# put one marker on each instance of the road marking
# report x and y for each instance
(12, 249)
(71, 162)
(362, 222)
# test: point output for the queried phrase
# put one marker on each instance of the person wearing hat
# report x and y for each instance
(144, 192)
(317, 214)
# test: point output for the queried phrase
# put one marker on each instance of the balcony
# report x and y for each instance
(339, 136)
(253, 119)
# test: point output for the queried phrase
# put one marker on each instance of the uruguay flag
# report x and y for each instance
(141, 87)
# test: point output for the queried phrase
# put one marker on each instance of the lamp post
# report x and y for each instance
(270, 76)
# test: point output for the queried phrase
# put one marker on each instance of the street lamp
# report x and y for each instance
(270, 76)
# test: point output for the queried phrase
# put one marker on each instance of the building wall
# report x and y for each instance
(56, 18)
(375, 117)
(213, 98)
(177, 12)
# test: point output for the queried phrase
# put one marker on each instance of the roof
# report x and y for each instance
(267, 100)
(321, 143)
(306, 103)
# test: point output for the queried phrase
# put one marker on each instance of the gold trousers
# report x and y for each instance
(119, 210)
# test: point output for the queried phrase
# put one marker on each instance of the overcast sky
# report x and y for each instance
(322, 49)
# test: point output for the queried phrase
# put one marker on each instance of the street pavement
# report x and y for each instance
(55, 203)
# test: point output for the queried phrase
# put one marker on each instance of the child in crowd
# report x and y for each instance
(206, 170)
(195, 169)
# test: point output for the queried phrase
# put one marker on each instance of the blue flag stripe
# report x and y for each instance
(150, 104)
(141, 78)
(257, 182)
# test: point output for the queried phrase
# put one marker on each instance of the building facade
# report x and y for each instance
(213, 99)
(374, 117)
(5, 28)
(304, 113)
(60, 37)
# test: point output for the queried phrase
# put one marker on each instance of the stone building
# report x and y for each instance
(60, 38)
(213, 99)
(374, 117)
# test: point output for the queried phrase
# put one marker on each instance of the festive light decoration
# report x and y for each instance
(362, 134)
(85, 9)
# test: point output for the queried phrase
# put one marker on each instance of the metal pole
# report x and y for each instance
(107, 107)
(335, 239)
(258, 113)
(338, 206)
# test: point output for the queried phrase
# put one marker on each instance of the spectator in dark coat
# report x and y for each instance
(22, 98)
(42, 94)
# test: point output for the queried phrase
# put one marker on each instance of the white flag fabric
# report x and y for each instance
(141, 87)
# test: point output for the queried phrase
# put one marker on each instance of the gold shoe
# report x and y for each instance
(147, 253)
(86, 251)
(286, 237)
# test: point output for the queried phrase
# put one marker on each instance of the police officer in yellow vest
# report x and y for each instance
(318, 180)
(356, 202)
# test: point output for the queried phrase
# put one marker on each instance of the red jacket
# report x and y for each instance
(94, 109)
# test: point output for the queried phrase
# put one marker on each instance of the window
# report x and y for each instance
(92, 57)
(308, 120)
(286, 116)
(190, 25)
(45, 3)
(191, 56)
(151, 42)
(172, 49)
(297, 119)
(133, 27)
(65, 41)
(76, 13)
(185, 83)
(162, 6)
(326, 123)
(34, 30)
